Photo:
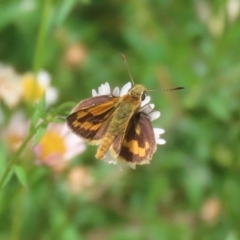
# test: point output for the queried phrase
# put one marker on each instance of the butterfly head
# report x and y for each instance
(138, 91)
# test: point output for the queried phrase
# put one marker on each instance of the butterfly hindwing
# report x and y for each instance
(138, 143)
(90, 118)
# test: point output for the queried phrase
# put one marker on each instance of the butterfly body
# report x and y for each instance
(117, 125)
(126, 107)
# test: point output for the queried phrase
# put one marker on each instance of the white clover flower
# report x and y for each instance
(146, 107)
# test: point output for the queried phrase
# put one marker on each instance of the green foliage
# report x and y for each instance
(21, 175)
(191, 188)
(39, 113)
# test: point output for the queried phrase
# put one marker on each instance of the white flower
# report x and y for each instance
(58, 146)
(35, 87)
(10, 86)
(233, 9)
(146, 107)
(16, 131)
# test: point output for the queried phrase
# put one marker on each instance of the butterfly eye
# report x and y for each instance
(143, 96)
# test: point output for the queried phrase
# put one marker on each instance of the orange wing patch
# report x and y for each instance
(138, 144)
(90, 116)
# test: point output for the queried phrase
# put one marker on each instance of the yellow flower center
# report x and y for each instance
(52, 144)
(31, 89)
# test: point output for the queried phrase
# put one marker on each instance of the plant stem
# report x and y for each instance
(16, 155)
(41, 36)
(17, 215)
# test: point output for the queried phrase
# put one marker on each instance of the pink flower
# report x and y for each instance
(58, 146)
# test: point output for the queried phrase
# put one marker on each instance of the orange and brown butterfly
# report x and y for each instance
(119, 122)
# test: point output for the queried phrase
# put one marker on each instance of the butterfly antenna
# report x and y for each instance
(125, 62)
(168, 89)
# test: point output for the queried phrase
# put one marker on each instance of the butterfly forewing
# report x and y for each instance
(90, 118)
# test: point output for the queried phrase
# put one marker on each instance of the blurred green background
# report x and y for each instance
(191, 189)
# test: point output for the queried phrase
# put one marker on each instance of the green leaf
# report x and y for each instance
(40, 112)
(58, 114)
(63, 11)
(64, 106)
(39, 134)
(3, 156)
(7, 178)
(21, 175)
(218, 107)
(8, 14)
(59, 120)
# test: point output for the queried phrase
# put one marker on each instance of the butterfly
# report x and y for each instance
(119, 123)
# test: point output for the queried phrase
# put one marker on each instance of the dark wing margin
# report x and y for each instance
(90, 118)
(138, 144)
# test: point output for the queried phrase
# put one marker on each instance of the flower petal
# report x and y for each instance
(116, 92)
(51, 95)
(154, 115)
(147, 108)
(125, 88)
(101, 90)
(71, 153)
(44, 78)
(146, 101)
(160, 141)
(94, 93)
(158, 131)
(152, 105)
(104, 89)
(107, 88)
